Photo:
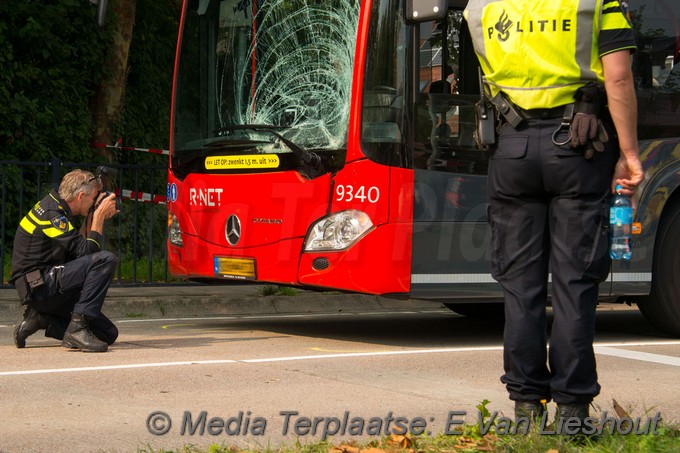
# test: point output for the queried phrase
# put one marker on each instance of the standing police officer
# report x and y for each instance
(61, 275)
(562, 147)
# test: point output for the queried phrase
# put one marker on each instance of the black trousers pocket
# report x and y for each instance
(598, 261)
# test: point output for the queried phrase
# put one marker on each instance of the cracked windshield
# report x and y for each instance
(265, 75)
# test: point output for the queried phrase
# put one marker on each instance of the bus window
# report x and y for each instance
(444, 107)
(656, 67)
(383, 120)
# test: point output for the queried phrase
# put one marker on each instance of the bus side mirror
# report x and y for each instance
(101, 11)
(425, 10)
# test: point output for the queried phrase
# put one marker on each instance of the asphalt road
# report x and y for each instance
(263, 379)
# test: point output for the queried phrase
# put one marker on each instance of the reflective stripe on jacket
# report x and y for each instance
(46, 237)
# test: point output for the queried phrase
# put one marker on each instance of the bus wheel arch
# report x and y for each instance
(662, 306)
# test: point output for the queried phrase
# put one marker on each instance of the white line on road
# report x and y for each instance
(603, 349)
(115, 367)
(638, 355)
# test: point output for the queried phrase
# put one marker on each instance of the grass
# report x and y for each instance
(128, 272)
(135, 315)
(141, 272)
(276, 290)
(478, 438)
(667, 440)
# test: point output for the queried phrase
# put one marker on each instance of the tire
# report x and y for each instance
(494, 310)
(662, 307)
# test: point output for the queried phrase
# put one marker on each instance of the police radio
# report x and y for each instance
(485, 133)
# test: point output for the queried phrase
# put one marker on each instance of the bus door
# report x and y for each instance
(451, 237)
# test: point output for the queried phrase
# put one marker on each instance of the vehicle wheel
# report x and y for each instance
(479, 311)
(662, 307)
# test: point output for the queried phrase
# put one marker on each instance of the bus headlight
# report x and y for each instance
(338, 231)
(174, 233)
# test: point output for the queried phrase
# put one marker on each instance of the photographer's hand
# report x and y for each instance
(104, 211)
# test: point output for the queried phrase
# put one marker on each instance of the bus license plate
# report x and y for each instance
(239, 268)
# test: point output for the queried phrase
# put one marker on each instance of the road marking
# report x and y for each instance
(372, 354)
(211, 318)
(115, 367)
(266, 360)
(338, 351)
(603, 349)
(167, 326)
(638, 355)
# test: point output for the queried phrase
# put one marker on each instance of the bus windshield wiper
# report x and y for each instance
(307, 157)
(247, 127)
(225, 142)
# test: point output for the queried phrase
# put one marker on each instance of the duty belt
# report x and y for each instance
(542, 114)
(516, 115)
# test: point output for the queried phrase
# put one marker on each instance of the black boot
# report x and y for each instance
(79, 336)
(571, 413)
(531, 411)
(31, 323)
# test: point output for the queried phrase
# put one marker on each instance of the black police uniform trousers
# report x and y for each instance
(549, 213)
(78, 286)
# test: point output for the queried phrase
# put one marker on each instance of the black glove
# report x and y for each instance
(587, 130)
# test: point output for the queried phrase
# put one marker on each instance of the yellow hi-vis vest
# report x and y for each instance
(538, 52)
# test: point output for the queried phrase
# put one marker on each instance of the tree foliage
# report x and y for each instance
(52, 59)
(145, 119)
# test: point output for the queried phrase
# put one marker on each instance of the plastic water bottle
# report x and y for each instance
(620, 226)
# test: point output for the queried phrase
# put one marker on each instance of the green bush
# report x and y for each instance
(51, 55)
(51, 59)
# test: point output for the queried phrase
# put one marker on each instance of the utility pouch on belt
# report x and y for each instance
(34, 279)
(27, 284)
(507, 109)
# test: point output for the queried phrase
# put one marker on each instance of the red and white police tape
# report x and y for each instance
(140, 196)
(119, 145)
(129, 194)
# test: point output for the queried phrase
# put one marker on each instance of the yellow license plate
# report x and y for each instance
(239, 268)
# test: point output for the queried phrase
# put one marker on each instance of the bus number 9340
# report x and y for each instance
(347, 193)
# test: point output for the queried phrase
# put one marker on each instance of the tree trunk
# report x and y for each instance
(108, 100)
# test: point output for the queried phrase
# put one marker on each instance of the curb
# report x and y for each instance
(162, 302)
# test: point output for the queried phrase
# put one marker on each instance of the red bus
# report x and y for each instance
(330, 144)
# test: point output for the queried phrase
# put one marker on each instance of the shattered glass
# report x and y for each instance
(287, 63)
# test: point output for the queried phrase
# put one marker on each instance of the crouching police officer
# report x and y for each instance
(558, 156)
(61, 275)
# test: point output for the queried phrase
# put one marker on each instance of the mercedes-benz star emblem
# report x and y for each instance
(233, 230)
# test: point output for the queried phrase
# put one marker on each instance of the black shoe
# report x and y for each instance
(567, 416)
(532, 410)
(79, 336)
(31, 323)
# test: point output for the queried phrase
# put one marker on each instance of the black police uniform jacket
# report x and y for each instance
(46, 238)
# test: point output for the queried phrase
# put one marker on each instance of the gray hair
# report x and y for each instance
(78, 181)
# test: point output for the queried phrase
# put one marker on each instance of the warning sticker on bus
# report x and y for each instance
(242, 162)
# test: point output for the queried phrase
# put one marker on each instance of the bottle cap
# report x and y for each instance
(618, 188)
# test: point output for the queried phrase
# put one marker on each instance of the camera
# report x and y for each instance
(105, 175)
